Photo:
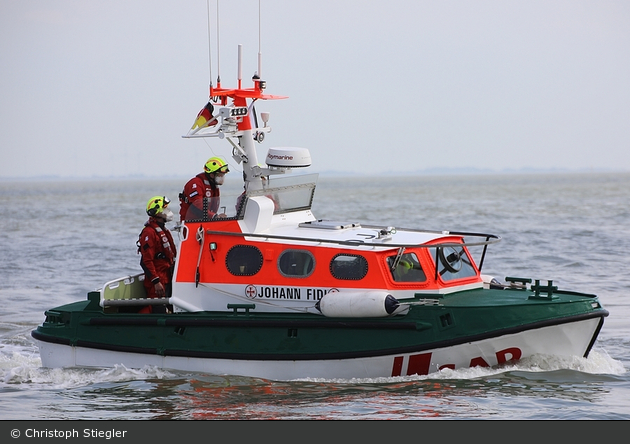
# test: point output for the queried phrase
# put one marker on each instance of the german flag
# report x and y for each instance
(204, 116)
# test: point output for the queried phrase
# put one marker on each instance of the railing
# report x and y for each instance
(490, 239)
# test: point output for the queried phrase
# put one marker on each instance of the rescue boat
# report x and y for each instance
(271, 291)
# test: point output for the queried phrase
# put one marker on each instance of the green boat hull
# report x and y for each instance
(443, 323)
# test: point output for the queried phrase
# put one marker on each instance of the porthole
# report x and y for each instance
(244, 260)
(296, 263)
(348, 267)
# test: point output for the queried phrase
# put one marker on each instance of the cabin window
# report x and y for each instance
(244, 260)
(348, 267)
(454, 263)
(406, 269)
(296, 263)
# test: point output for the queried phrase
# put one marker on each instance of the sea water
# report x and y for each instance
(62, 239)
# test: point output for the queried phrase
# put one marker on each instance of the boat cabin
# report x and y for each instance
(270, 254)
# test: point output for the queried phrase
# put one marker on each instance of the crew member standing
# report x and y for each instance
(204, 186)
(158, 251)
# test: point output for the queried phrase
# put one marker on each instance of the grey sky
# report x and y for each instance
(108, 87)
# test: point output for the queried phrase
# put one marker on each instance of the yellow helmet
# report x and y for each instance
(156, 205)
(215, 164)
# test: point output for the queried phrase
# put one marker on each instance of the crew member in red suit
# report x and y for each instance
(158, 251)
(203, 187)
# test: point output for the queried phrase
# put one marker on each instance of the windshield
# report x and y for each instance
(289, 193)
(454, 263)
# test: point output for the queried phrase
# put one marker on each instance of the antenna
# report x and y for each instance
(218, 49)
(259, 45)
(209, 48)
(240, 65)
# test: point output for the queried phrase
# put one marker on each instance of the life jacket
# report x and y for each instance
(167, 250)
(191, 199)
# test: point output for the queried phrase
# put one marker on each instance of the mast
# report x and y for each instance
(228, 114)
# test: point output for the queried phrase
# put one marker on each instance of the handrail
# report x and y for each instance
(490, 239)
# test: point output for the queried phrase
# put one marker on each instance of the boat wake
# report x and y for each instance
(22, 366)
(598, 366)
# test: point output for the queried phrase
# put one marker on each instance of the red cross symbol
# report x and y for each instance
(250, 291)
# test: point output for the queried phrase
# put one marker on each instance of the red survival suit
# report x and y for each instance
(158, 256)
(191, 199)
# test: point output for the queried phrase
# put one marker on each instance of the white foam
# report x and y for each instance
(598, 363)
(25, 367)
